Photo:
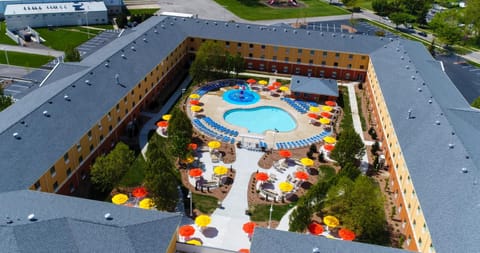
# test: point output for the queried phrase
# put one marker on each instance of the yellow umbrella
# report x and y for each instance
(189, 159)
(220, 170)
(314, 109)
(329, 140)
(195, 108)
(194, 96)
(194, 242)
(167, 117)
(306, 161)
(331, 221)
(203, 220)
(146, 203)
(119, 199)
(214, 144)
(327, 108)
(285, 186)
(284, 88)
(262, 82)
(324, 121)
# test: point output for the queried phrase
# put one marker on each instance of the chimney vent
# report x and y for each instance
(16, 136)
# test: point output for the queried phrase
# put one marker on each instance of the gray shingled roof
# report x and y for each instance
(449, 198)
(68, 224)
(271, 240)
(313, 85)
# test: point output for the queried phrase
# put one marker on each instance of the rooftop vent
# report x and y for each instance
(237, 25)
(315, 250)
(206, 22)
(248, 26)
(163, 26)
(333, 35)
(155, 31)
(407, 67)
(285, 30)
(107, 64)
(16, 136)
(430, 101)
(295, 31)
(464, 170)
(321, 34)
(419, 89)
(9, 221)
(343, 35)
(226, 24)
(66, 97)
(171, 23)
(308, 32)
(391, 39)
(144, 39)
(410, 112)
(31, 217)
(274, 29)
(88, 82)
(123, 56)
(413, 77)
(133, 48)
(215, 23)
(451, 145)
(184, 19)
(46, 114)
(437, 122)
(401, 57)
(108, 216)
(351, 36)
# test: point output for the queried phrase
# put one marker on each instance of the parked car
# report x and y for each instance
(423, 34)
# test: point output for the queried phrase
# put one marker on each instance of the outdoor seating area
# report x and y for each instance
(216, 85)
(197, 123)
(303, 142)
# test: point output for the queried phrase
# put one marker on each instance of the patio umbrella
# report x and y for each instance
(324, 121)
(194, 102)
(312, 115)
(203, 220)
(195, 108)
(327, 108)
(328, 147)
(315, 228)
(261, 176)
(195, 172)
(167, 117)
(330, 103)
(251, 81)
(139, 192)
(194, 96)
(146, 203)
(307, 161)
(244, 250)
(189, 159)
(285, 186)
(214, 144)
(329, 140)
(271, 88)
(301, 175)
(194, 242)
(119, 199)
(262, 82)
(276, 84)
(331, 221)
(346, 234)
(326, 114)
(249, 227)
(314, 109)
(162, 123)
(186, 231)
(285, 153)
(284, 88)
(192, 146)
(220, 170)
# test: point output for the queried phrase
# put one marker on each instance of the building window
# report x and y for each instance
(287, 50)
(349, 66)
(83, 175)
(409, 206)
(409, 239)
(250, 46)
(65, 158)
(286, 59)
(323, 63)
(101, 137)
(335, 64)
(334, 74)
(363, 57)
(79, 147)
(99, 126)
(262, 57)
(312, 52)
(362, 67)
(275, 49)
(53, 172)
(250, 65)
(404, 224)
(325, 54)
(80, 159)
(350, 56)
(250, 55)
(72, 188)
(91, 148)
(274, 58)
(89, 135)
(274, 68)
(424, 229)
(337, 55)
(110, 128)
(261, 66)
(285, 69)
(297, 71)
(55, 186)
(263, 46)
(414, 223)
(310, 62)
(300, 51)
(322, 73)
(118, 107)
(37, 186)
(227, 43)
(419, 242)
(299, 60)
(69, 171)
(239, 44)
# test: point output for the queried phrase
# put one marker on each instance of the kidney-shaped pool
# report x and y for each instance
(261, 119)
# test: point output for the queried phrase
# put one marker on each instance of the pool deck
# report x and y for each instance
(215, 107)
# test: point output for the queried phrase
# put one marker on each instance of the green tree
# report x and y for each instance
(238, 64)
(180, 132)
(399, 18)
(431, 48)
(121, 20)
(71, 54)
(108, 170)
(381, 7)
(300, 218)
(209, 59)
(348, 148)
(446, 26)
(471, 16)
(350, 171)
(5, 101)
(476, 103)
(162, 184)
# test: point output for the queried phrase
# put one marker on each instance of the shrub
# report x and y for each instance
(372, 133)
(313, 148)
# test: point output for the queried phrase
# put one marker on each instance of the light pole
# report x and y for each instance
(6, 56)
(270, 216)
(86, 21)
(190, 197)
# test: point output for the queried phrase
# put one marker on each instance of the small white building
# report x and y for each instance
(19, 16)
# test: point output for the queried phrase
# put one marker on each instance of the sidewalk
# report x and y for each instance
(29, 50)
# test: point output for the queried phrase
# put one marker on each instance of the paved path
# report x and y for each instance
(29, 50)
(284, 222)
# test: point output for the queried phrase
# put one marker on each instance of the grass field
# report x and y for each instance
(22, 59)
(260, 11)
(206, 204)
(365, 4)
(142, 11)
(262, 212)
(57, 37)
(4, 39)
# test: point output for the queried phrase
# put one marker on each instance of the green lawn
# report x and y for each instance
(4, 39)
(206, 204)
(22, 59)
(360, 112)
(59, 37)
(136, 173)
(262, 212)
(347, 120)
(365, 4)
(142, 11)
(260, 11)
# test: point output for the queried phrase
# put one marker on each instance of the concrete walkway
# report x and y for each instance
(150, 125)
(29, 50)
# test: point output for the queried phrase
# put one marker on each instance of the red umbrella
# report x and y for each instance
(195, 172)
(330, 103)
(249, 227)
(139, 192)
(271, 88)
(328, 147)
(163, 123)
(285, 153)
(244, 250)
(312, 115)
(326, 114)
(261, 176)
(301, 175)
(276, 84)
(192, 146)
(186, 231)
(194, 102)
(250, 81)
(315, 228)
(346, 234)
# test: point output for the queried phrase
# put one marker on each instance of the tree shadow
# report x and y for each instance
(227, 180)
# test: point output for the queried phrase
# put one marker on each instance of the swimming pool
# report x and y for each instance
(261, 119)
(241, 97)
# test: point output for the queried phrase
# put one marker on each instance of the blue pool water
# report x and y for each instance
(260, 119)
(241, 97)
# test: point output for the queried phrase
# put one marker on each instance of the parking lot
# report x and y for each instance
(335, 26)
(97, 42)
